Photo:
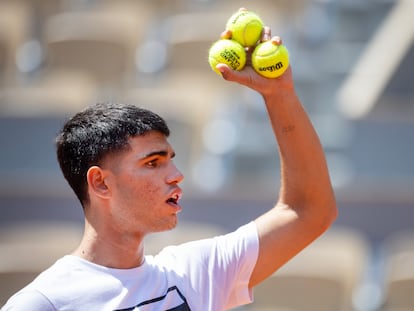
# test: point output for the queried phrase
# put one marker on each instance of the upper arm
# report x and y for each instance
(283, 232)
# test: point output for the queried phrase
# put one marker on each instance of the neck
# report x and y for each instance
(110, 249)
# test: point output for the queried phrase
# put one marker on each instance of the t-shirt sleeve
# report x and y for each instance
(238, 252)
(28, 300)
(218, 269)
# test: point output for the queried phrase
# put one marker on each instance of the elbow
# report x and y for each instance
(331, 215)
(334, 211)
(319, 210)
(327, 213)
(331, 206)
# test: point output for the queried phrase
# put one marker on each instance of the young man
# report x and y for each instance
(120, 165)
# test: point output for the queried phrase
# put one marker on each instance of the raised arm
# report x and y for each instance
(306, 205)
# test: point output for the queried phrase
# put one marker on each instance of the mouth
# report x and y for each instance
(174, 199)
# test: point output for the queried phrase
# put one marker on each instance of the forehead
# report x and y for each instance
(150, 142)
(139, 148)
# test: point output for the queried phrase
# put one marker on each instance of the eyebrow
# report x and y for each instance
(162, 153)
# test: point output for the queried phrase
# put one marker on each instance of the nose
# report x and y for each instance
(175, 176)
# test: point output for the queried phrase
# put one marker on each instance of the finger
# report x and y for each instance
(226, 72)
(223, 68)
(226, 34)
(266, 34)
(242, 77)
(276, 40)
(242, 9)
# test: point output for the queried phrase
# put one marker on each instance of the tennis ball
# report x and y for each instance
(270, 59)
(246, 27)
(227, 52)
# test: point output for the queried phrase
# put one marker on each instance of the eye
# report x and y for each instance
(152, 163)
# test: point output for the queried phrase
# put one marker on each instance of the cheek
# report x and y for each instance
(137, 203)
(147, 193)
(143, 192)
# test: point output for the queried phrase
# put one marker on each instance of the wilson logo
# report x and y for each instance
(272, 68)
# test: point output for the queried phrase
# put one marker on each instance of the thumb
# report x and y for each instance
(242, 77)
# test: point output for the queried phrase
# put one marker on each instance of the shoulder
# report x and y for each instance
(32, 296)
(28, 300)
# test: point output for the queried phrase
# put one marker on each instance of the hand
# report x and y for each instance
(248, 75)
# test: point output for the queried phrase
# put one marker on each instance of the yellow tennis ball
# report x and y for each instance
(270, 59)
(227, 52)
(246, 27)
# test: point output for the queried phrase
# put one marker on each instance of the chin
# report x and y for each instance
(167, 226)
(173, 224)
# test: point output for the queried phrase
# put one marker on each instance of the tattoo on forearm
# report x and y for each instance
(288, 128)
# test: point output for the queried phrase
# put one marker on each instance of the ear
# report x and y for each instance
(96, 182)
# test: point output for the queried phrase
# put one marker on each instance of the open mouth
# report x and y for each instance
(174, 199)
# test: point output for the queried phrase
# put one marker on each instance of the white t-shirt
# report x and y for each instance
(211, 274)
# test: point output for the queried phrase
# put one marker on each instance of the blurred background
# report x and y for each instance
(353, 64)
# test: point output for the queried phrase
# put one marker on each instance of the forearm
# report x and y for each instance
(306, 205)
(304, 173)
(305, 183)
